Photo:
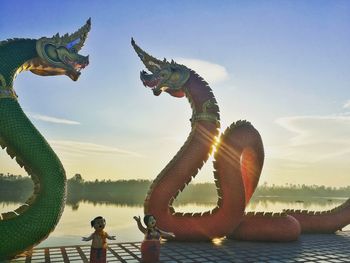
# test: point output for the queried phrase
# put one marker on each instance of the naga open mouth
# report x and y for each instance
(151, 81)
(77, 66)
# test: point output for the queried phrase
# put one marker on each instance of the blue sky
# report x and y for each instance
(283, 65)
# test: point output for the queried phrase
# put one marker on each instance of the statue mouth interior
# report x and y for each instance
(151, 81)
(77, 66)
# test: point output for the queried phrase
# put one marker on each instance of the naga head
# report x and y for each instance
(58, 55)
(165, 76)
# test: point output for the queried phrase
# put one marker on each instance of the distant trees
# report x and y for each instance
(132, 192)
(15, 187)
(302, 190)
(121, 191)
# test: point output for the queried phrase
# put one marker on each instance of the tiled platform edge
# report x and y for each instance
(320, 248)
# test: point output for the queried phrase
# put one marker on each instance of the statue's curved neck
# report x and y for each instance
(13, 55)
(202, 100)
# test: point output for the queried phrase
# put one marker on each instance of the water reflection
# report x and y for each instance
(306, 203)
(75, 221)
(75, 206)
(264, 202)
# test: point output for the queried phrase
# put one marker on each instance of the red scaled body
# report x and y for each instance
(238, 163)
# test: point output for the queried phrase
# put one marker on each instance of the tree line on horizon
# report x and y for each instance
(17, 188)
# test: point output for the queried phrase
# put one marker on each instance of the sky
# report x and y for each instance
(282, 65)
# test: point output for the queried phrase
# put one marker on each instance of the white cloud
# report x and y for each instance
(78, 148)
(347, 105)
(316, 138)
(211, 72)
(52, 119)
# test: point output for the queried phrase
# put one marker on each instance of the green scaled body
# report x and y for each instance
(33, 221)
(17, 133)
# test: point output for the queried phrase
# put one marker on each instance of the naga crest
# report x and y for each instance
(58, 55)
(165, 76)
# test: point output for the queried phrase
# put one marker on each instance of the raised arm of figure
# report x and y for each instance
(139, 224)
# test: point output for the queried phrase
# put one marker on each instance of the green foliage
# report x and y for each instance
(132, 192)
(15, 187)
(290, 190)
(107, 191)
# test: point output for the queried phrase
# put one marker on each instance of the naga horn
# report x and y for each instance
(151, 63)
(75, 40)
(78, 38)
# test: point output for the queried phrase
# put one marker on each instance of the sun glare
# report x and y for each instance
(218, 241)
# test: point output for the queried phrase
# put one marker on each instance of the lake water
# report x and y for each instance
(75, 221)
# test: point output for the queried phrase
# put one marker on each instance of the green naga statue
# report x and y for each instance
(32, 222)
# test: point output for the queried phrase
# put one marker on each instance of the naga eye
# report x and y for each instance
(175, 76)
(51, 52)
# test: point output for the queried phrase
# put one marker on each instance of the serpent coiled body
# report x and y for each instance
(238, 163)
(33, 221)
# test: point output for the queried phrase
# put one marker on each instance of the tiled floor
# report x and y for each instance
(309, 248)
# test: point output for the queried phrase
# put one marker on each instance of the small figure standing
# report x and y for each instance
(99, 244)
(150, 247)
